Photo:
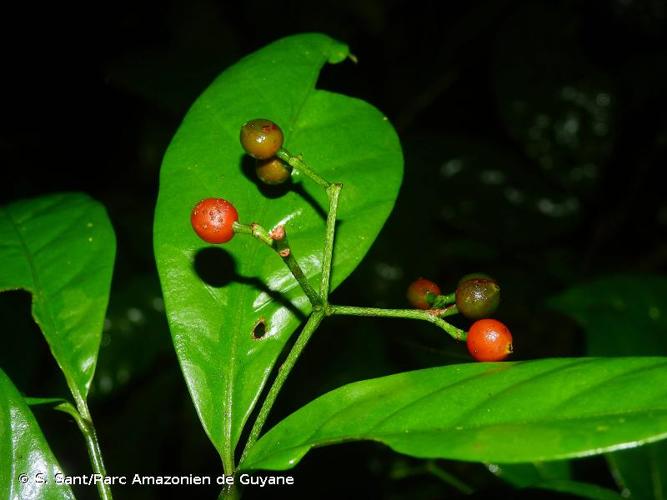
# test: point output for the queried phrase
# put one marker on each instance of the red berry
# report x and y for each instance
(418, 290)
(261, 138)
(489, 340)
(213, 220)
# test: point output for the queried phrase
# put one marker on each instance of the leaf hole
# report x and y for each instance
(259, 330)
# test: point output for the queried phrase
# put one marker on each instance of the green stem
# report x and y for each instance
(282, 247)
(333, 193)
(231, 492)
(298, 163)
(254, 230)
(277, 241)
(438, 301)
(85, 423)
(311, 325)
(228, 465)
(432, 316)
(446, 311)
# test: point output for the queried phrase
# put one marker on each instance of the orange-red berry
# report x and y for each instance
(418, 290)
(489, 340)
(213, 220)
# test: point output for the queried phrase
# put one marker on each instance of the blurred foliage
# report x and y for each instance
(534, 136)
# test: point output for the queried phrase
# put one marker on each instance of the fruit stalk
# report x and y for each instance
(277, 241)
(297, 163)
(333, 192)
(432, 316)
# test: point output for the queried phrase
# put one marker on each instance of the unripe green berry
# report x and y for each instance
(477, 298)
(261, 138)
(272, 171)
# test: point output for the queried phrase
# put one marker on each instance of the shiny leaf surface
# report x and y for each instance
(27, 465)
(216, 296)
(493, 412)
(61, 249)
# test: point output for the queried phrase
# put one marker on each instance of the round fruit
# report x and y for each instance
(418, 290)
(261, 138)
(272, 171)
(489, 340)
(478, 297)
(213, 220)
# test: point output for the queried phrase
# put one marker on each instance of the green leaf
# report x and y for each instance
(24, 452)
(213, 296)
(61, 248)
(490, 412)
(607, 307)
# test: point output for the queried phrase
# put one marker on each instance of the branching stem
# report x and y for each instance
(277, 241)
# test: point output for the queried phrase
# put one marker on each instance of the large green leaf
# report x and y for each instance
(606, 308)
(61, 248)
(27, 466)
(214, 297)
(500, 412)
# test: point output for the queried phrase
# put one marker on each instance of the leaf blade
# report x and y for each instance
(212, 322)
(61, 249)
(24, 451)
(499, 412)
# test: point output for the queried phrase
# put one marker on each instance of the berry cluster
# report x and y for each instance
(262, 139)
(477, 297)
(213, 219)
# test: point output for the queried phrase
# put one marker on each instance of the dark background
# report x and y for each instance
(534, 134)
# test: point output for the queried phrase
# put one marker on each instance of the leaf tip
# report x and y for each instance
(338, 52)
